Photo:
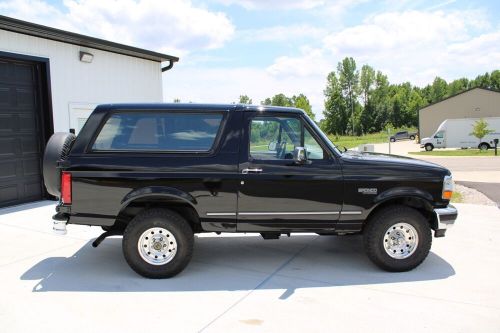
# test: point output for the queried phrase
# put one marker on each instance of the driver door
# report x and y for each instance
(440, 140)
(277, 194)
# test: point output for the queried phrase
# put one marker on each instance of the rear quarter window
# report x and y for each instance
(158, 131)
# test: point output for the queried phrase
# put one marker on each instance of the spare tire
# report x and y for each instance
(57, 149)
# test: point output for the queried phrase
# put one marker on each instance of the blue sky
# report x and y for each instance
(261, 48)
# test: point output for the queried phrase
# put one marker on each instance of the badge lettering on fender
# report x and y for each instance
(367, 190)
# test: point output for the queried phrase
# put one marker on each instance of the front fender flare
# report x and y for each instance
(402, 191)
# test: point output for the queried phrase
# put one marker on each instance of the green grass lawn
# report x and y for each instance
(354, 141)
(458, 152)
(457, 197)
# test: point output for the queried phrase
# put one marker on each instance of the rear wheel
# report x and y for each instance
(412, 137)
(429, 147)
(158, 243)
(393, 140)
(397, 239)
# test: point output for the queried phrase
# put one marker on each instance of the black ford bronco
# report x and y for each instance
(159, 173)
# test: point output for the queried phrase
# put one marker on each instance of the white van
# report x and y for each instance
(455, 133)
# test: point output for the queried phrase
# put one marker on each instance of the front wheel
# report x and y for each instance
(429, 147)
(412, 137)
(158, 243)
(397, 239)
(484, 146)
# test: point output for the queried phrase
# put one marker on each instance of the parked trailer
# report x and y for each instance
(456, 133)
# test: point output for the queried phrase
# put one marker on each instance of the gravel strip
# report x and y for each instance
(472, 196)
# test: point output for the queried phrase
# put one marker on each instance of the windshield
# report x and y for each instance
(324, 137)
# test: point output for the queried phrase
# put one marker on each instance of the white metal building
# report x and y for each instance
(50, 81)
(472, 103)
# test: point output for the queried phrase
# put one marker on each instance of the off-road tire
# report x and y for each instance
(158, 218)
(57, 149)
(374, 232)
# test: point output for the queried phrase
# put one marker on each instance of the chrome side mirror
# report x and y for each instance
(300, 155)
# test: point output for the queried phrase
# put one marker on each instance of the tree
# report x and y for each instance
(244, 99)
(348, 78)
(366, 81)
(336, 109)
(480, 129)
(439, 89)
(302, 102)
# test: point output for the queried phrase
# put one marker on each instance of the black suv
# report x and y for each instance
(159, 173)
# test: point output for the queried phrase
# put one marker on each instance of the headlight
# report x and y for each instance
(448, 187)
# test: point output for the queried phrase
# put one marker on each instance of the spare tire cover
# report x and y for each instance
(57, 149)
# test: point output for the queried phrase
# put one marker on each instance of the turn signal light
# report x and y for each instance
(66, 188)
(448, 186)
(447, 195)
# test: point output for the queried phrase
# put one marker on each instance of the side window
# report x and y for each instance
(158, 131)
(439, 135)
(275, 138)
(314, 150)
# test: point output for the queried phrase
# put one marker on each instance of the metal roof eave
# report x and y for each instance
(41, 31)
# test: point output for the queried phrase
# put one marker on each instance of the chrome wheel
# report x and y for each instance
(400, 240)
(157, 246)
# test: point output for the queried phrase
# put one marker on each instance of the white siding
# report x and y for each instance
(110, 78)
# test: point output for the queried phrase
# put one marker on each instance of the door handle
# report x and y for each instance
(255, 170)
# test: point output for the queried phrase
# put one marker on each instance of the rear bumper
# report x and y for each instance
(60, 220)
(445, 219)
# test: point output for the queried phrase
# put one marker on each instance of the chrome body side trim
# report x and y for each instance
(221, 214)
(288, 213)
(351, 213)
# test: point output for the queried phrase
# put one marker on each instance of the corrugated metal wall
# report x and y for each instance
(110, 78)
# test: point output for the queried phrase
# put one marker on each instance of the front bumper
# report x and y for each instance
(445, 219)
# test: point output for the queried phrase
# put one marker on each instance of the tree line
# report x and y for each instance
(361, 101)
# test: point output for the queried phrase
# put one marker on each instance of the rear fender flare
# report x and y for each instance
(158, 192)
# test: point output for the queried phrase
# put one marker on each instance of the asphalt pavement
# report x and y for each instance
(491, 190)
(242, 283)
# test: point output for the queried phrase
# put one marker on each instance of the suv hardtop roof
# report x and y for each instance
(194, 107)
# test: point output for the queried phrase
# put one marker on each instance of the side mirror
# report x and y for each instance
(300, 155)
(272, 146)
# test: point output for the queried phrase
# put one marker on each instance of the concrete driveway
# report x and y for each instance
(238, 283)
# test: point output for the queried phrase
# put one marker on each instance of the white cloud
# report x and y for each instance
(282, 33)
(282, 4)
(416, 45)
(312, 62)
(175, 27)
(410, 46)
(225, 85)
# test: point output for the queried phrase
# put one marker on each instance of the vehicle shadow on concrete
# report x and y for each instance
(232, 263)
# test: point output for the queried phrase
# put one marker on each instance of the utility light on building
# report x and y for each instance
(86, 57)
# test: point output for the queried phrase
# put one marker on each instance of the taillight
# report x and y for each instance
(66, 188)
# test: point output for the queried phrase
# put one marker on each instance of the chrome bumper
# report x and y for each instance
(445, 218)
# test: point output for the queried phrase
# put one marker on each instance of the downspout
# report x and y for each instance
(168, 67)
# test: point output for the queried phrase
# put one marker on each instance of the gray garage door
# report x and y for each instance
(20, 133)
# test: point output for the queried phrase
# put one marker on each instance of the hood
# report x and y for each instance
(392, 159)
